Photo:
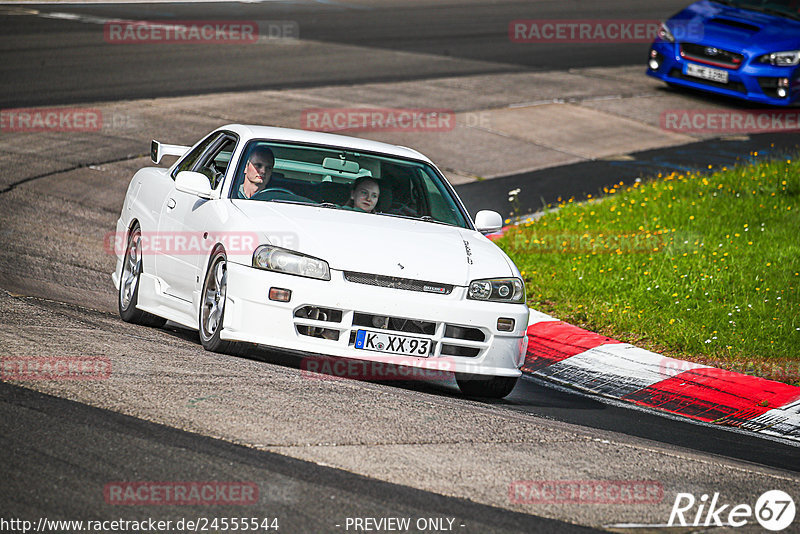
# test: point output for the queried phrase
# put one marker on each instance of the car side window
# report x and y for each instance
(190, 160)
(215, 162)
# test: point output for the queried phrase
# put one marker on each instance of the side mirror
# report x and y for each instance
(194, 183)
(488, 222)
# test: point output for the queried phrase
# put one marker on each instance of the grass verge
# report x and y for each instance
(702, 267)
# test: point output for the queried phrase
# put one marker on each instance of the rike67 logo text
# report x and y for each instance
(774, 510)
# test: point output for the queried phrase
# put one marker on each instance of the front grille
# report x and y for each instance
(395, 282)
(711, 55)
(733, 86)
(446, 340)
(397, 324)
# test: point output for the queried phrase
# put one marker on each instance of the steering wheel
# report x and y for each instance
(294, 196)
(278, 190)
(264, 192)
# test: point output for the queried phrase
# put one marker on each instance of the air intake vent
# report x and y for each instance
(734, 24)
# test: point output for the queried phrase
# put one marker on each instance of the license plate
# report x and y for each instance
(707, 73)
(381, 342)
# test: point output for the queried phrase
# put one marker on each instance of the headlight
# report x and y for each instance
(788, 58)
(286, 261)
(497, 290)
(664, 33)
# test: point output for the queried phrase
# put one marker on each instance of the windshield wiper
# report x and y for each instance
(329, 205)
(424, 218)
(297, 202)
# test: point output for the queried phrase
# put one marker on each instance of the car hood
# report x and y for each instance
(737, 29)
(376, 244)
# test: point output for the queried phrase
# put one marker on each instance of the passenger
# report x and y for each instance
(257, 172)
(364, 194)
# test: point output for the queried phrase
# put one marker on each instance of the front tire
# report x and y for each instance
(128, 294)
(212, 307)
(492, 387)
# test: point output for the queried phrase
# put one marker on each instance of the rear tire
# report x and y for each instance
(493, 387)
(212, 307)
(128, 294)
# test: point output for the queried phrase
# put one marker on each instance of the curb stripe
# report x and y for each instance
(587, 361)
(550, 342)
(614, 370)
(717, 395)
(784, 421)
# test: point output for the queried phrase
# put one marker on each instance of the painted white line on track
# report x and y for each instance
(103, 2)
(263, 37)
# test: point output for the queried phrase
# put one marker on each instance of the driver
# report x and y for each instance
(257, 172)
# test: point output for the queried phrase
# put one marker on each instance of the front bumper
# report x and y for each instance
(752, 81)
(463, 332)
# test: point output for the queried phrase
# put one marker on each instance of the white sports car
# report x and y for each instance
(323, 244)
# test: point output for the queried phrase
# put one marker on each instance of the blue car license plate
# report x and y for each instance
(706, 73)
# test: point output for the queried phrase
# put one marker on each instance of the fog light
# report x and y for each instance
(781, 92)
(655, 60)
(505, 324)
(281, 295)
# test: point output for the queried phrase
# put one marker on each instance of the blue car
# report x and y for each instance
(748, 49)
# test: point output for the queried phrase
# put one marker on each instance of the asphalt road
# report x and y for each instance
(48, 61)
(47, 476)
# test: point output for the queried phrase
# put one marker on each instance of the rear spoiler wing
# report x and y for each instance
(159, 150)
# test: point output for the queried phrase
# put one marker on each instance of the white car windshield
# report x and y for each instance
(344, 179)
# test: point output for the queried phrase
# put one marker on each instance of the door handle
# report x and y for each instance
(171, 203)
